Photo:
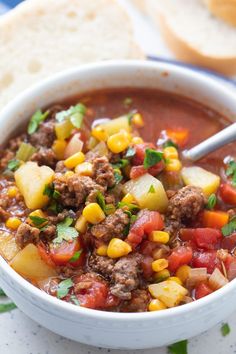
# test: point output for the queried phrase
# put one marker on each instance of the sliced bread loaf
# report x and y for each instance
(40, 38)
(194, 35)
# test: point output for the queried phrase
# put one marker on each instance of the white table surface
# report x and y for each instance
(21, 335)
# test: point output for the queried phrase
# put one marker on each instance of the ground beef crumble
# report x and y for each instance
(26, 234)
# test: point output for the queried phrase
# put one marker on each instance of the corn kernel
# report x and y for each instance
(59, 148)
(159, 264)
(99, 133)
(12, 192)
(183, 273)
(162, 275)
(171, 152)
(173, 166)
(81, 224)
(176, 279)
(118, 142)
(93, 213)
(102, 250)
(137, 119)
(13, 223)
(156, 305)
(137, 140)
(128, 198)
(84, 169)
(118, 248)
(69, 174)
(159, 236)
(74, 160)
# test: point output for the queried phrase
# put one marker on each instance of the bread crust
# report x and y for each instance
(223, 9)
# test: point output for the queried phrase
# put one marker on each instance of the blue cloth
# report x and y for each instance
(11, 3)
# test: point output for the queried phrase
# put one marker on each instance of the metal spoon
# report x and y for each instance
(225, 136)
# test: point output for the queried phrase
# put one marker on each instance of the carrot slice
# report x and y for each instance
(215, 219)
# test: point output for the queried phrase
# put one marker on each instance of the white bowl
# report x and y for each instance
(107, 329)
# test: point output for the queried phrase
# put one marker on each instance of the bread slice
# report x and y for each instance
(40, 38)
(224, 9)
(194, 35)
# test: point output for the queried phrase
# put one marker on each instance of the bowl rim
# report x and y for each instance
(71, 309)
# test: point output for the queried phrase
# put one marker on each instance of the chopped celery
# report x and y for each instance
(25, 151)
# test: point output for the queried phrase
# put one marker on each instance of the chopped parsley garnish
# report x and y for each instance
(225, 329)
(64, 287)
(229, 228)
(211, 202)
(38, 221)
(127, 101)
(133, 218)
(35, 120)
(74, 300)
(118, 177)
(7, 307)
(129, 206)
(152, 157)
(121, 164)
(76, 256)
(50, 191)
(75, 114)
(130, 152)
(2, 292)
(65, 231)
(13, 165)
(101, 200)
(231, 171)
(151, 189)
(25, 152)
(170, 143)
(178, 348)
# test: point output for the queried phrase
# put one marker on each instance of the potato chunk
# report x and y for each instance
(169, 292)
(8, 246)
(31, 180)
(198, 177)
(116, 125)
(29, 264)
(148, 192)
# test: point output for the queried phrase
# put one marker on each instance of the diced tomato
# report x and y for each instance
(206, 238)
(137, 171)
(206, 259)
(93, 293)
(146, 265)
(229, 242)
(214, 218)
(180, 256)
(140, 153)
(178, 135)
(111, 301)
(227, 193)
(230, 265)
(202, 290)
(45, 255)
(146, 222)
(62, 253)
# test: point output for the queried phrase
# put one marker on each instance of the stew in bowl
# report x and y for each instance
(99, 208)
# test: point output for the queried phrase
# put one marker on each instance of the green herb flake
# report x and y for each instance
(211, 202)
(13, 165)
(127, 101)
(25, 151)
(35, 120)
(101, 200)
(178, 348)
(152, 157)
(229, 228)
(64, 287)
(130, 152)
(121, 164)
(7, 307)
(74, 300)
(231, 171)
(76, 256)
(48, 190)
(75, 114)
(2, 292)
(118, 177)
(225, 329)
(65, 231)
(169, 143)
(37, 220)
(151, 189)
(130, 206)
(133, 218)
(56, 194)
(55, 207)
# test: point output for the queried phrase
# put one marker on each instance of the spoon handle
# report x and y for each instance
(225, 136)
